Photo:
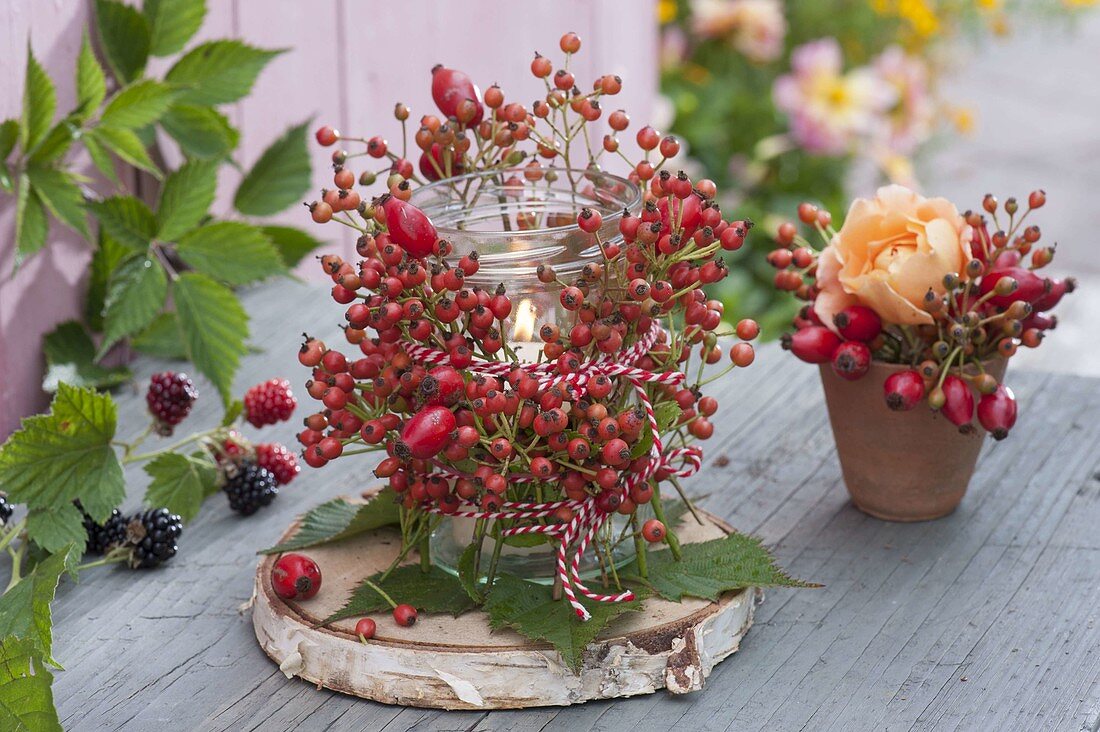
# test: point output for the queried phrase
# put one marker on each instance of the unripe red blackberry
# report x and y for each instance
(278, 460)
(269, 402)
(170, 398)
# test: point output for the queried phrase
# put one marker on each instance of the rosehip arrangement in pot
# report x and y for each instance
(541, 404)
(911, 303)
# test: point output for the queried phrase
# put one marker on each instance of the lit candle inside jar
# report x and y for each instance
(522, 341)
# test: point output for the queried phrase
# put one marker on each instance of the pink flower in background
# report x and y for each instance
(755, 27)
(908, 123)
(828, 109)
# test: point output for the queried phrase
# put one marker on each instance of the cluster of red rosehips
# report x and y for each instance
(999, 303)
(454, 436)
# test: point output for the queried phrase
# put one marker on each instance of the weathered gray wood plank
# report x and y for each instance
(1003, 593)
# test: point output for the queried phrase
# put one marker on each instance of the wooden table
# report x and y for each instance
(988, 619)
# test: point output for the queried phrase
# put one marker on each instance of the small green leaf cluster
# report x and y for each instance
(164, 264)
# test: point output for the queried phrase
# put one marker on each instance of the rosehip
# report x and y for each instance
(404, 615)
(958, 405)
(426, 433)
(295, 577)
(450, 88)
(904, 390)
(653, 531)
(408, 226)
(852, 360)
(997, 412)
(365, 628)
(858, 323)
(813, 344)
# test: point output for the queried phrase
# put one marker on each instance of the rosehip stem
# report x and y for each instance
(639, 546)
(659, 512)
(381, 592)
(120, 554)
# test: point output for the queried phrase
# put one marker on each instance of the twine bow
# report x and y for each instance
(588, 518)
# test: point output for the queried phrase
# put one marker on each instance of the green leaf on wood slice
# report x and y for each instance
(214, 327)
(39, 104)
(61, 196)
(293, 244)
(31, 224)
(531, 611)
(180, 482)
(279, 178)
(230, 251)
(173, 23)
(56, 527)
(124, 36)
(66, 454)
(91, 82)
(25, 608)
(338, 519)
(201, 132)
(26, 699)
(126, 145)
(127, 220)
(709, 568)
(434, 591)
(137, 293)
(70, 358)
(138, 104)
(162, 339)
(469, 572)
(185, 198)
(105, 260)
(219, 72)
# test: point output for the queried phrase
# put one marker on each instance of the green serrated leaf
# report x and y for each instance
(91, 82)
(173, 23)
(56, 527)
(179, 482)
(214, 327)
(66, 454)
(126, 219)
(232, 412)
(61, 196)
(162, 339)
(469, 572)
(279, 178)
(338, 519)
(9, 135)
(709, 568)
(434, 591)
(57, 141)
(101, 159)
(124, 36)
(527, 540)
(39, 104)
(26, 700)
(531, 610)
(31, 224)
(201, 132)
(292, 244)
(126, 145)
(138, 104)
(219, 72)
(25, 608)
(136, 295)
(106, 258)
(231, 252)
(185, 198)
(70, 358)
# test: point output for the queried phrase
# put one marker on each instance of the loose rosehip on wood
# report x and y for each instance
(295, 577)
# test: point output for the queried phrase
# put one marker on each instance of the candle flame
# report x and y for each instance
(524, 329)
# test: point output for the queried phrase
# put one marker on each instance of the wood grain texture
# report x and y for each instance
(983, 620)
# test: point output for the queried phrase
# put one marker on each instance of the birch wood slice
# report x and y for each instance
(459, 663)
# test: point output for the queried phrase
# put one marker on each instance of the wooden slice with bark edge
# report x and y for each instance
(459, 663)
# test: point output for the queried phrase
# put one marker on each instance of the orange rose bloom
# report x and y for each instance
(890, 251)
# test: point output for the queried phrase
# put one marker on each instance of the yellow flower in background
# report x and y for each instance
(964, 119)
(666, 11)
(1074, 4)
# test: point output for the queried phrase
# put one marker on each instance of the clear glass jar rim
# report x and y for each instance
(632, 190)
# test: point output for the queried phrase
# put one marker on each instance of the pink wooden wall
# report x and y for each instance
(349, 61)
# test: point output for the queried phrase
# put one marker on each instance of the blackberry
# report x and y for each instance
(104, 537)
(6, 508)
(251, 488)
(153, 535)
(170, 397)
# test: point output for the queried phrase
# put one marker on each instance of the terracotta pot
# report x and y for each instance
(899, 466)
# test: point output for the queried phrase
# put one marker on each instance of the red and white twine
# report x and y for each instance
(587, 519)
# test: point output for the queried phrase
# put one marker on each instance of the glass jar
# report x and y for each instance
(516, 223)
